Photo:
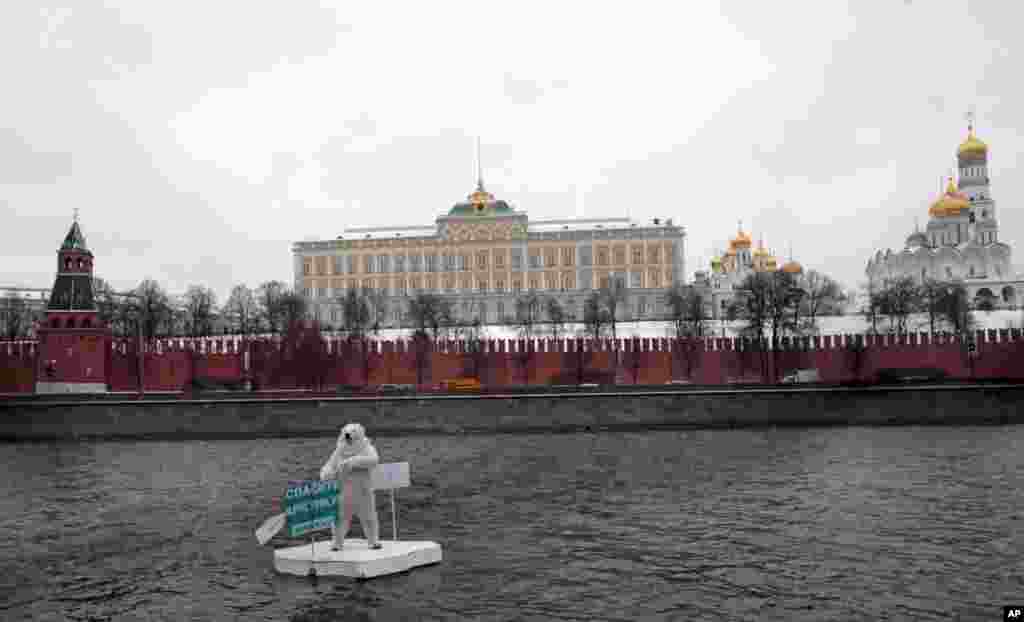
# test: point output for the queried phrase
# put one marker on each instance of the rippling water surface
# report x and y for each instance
(822, 524)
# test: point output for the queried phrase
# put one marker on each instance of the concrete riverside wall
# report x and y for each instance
(39, 419)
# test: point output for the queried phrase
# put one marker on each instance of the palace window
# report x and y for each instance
(517, 259)
(431, 263)
(415, 263)
(499, 307)
(534, 283)
(517, 285)
(549, 281)
(602, 256)
(449, 284)
(339, 265)
(481, 259)
(620, 256)
(448, 261)
(567, 256)
(351, 264)
(499, 285)
(399, 263)
(499, 258)
(384, 263)
(653, 254)
(368, 264)
(549, 258)
(638, 254)
(641, 305)
(307, 266)
(568, 281)
(481, 286)
(586, 255)
(321, 292)
(636, 279)
(535, 259)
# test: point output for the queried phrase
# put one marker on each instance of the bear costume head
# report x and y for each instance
(352, 440)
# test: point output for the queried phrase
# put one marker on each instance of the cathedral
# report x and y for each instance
(734, 265)
(961, 240)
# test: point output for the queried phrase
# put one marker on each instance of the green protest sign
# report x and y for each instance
(311, 506)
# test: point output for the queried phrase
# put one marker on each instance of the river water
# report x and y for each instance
(818, 524)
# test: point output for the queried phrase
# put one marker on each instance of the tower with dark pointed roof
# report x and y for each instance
(73, 341)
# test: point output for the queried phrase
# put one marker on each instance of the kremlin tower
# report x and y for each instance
(73, 342)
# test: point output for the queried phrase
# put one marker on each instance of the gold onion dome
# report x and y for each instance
(742, 240)
(761, 251)
(951, 203)
(973, 147)
(792, 267)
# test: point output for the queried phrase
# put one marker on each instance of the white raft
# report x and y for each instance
(356, 559)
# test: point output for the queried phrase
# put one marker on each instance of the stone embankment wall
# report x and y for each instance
(49, 419)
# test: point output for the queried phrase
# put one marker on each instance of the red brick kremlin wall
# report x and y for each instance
(171, 365)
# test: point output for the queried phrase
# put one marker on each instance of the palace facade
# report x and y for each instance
(483, 255)
(961, 241)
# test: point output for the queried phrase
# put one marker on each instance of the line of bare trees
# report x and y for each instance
(904, 304)
(270, 308)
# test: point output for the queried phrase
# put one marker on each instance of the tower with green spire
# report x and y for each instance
(73, 341)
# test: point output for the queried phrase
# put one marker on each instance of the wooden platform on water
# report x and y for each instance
(356, 559)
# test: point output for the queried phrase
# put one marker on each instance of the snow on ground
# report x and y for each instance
(835, 325)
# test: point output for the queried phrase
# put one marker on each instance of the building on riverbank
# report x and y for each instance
(720, 286)
(483, 254)
(961, 241)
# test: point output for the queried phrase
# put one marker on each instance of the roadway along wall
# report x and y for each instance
(29, 419)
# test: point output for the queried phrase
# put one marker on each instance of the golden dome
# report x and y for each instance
(973, 147)
(952, 203)
(792, 267)
(742, 240)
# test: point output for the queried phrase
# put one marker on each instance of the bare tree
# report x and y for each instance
(821, 295)
(528, 314)
(955, 309)
(556, 317)
(268, 301)
(241, 310)
(612, 297)
(292, 307)
(689, 320)
(155, 308)
(897, 299)
(686, 311)
(16, 317)
(595, 317)
(200, 304)
(430, 316)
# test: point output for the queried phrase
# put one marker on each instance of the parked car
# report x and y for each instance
(800, 376)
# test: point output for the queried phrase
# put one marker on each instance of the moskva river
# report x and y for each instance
(915, 523)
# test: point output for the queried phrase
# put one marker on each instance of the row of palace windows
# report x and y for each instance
(532, 282)
(539, 258)
(70, 263)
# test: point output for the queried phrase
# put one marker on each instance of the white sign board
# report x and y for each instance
(391, 475)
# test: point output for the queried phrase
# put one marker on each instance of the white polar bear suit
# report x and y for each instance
(351, 464)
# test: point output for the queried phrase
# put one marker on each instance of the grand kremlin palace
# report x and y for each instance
(484, 254)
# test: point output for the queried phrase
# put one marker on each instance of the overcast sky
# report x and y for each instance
(200, 139)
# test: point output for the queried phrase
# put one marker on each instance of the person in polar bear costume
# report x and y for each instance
(351, 464)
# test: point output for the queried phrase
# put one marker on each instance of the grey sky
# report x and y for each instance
(200, 139)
